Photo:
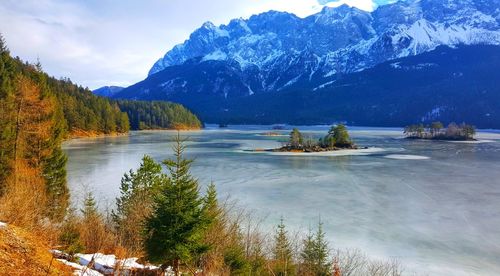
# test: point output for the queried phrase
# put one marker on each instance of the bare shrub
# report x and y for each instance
(25, 197)
(350, 261)
(384, 268)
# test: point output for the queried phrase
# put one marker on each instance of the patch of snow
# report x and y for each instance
(102, 263)
(434, 114)
(324, 85)
(331, 73)
(250, 91)
(427, 36)
(250, 39)
(396, 65)
(106, 263)
(3, 224)
(217, 55)
(244, 25)
(221, 33)
(290, 82)
(80, 269)
(406, 157)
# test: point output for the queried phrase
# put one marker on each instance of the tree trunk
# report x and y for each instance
(176, 267)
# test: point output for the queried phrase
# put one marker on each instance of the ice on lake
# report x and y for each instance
(439, 215)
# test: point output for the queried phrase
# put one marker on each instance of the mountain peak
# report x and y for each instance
(343, 39)
(208, 25)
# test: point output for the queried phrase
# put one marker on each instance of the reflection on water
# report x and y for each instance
(435, 205)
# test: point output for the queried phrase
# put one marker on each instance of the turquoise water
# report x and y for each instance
(434, 205)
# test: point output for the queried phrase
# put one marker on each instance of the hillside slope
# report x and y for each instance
(22, 253)
(447, 84)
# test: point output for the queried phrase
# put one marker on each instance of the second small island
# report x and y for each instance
(337, 138)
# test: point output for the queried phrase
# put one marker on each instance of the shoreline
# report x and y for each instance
(339, 152)
(442, 139)
(79, 134)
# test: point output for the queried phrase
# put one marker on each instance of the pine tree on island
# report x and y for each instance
(436, 131)
(336, 139)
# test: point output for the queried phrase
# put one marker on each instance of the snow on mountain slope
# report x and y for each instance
(277, 51)
(284, 47)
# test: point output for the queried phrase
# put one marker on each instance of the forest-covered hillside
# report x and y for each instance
(37, 112)
(158, 115)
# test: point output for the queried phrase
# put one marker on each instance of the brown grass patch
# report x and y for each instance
(22, 253)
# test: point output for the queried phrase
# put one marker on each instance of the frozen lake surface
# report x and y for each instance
(435, 205)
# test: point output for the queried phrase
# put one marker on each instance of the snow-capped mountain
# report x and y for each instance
(280, 50)
(404, 62)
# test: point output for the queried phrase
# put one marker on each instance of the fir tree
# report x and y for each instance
(296, 139)
(175, 230)
(282, 252)
(338, 137)
(211, 209)
(93, 232)
(321, 252)
(308, 254)
(214, 235)
(89, 209)
(135, 203)
(3, 45)
(315, 253)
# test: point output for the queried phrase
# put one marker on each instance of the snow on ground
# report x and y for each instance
(102, 264)
(80, 269)
(3, 224)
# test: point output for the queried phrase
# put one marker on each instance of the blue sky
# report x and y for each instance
(108, 42)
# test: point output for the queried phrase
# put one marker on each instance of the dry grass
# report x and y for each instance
(25, 199)
(22, 253)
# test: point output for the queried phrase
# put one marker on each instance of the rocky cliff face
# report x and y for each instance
(280, 50)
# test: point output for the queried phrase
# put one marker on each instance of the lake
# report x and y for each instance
(435, 205)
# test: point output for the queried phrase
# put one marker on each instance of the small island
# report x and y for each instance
(436, 131)
(272, 133)
(337, 138)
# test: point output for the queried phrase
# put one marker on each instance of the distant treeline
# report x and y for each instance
(158, 115)
(437, 131)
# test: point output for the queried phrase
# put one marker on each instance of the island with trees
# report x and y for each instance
(337, 138)
(437, 131)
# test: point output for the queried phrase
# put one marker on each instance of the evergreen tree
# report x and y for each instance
(468, 131)
(211, 209)
(158, 115)
(315, 253)
(215, 234)
(296, 139)
(93, 229)
(308, 257)
(135, 203)
(89, 209)
(435, 128)
(175, 229)
(321, 252)
(282, 252)
(338, 136)
(3, 45)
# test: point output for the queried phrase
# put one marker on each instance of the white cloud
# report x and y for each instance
(104, 42)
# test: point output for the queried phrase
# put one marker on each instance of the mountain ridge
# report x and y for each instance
(271, 54)
(336, 40)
